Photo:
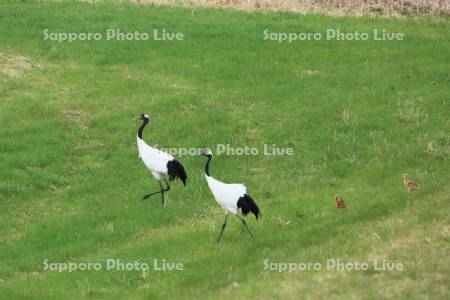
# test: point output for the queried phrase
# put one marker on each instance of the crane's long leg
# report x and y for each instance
(151, 194)
(168, 186)
(161, 191)
(164, 190)
(246, 226)
(223, 227)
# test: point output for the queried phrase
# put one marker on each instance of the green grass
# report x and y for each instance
(358, 115)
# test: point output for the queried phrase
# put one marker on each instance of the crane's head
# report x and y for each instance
(207, 153)
(144, 117)
(405, 176)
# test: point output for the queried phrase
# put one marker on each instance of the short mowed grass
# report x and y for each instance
(358, 114)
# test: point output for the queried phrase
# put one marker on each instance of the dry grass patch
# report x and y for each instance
(331, 7)
(15, 66)
(305, 73)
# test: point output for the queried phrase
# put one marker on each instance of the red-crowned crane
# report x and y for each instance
(233, 198)
(160, 163)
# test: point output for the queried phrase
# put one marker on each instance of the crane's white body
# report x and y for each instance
(226, 194)
(154, 159)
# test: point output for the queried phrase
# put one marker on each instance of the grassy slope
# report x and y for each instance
(357, 113)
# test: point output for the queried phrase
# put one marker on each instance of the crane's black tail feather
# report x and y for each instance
(246, 204)
(176, 170)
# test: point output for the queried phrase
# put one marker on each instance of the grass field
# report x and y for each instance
(358, 114)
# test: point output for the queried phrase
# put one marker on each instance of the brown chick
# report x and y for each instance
(409, 184)
(340, 203)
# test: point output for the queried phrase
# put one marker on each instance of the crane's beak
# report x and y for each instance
(135, 118)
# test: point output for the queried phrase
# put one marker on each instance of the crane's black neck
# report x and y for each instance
(207, 165)
(142, 128)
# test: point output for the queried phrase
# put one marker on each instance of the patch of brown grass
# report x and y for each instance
(15, 66)
(331, 7)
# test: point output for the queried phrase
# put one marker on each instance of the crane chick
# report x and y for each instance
(409, 184)
(340, 203)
